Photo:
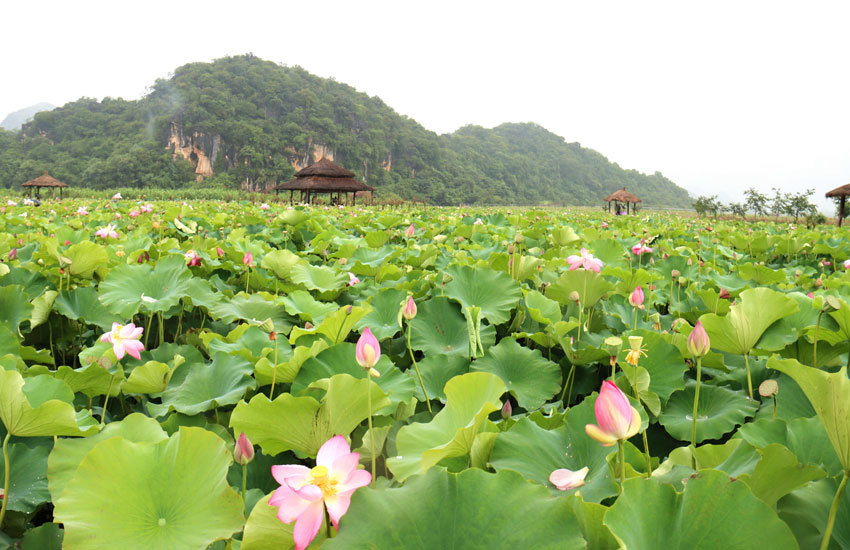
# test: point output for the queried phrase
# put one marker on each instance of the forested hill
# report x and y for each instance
(245, 122)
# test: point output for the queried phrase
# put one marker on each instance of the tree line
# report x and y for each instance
(776, 204)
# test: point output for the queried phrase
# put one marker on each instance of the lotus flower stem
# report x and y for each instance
(749, 377)
(148, 329)
(696, 402)
(827, 535)
(274, 371)
(568, 384)
(635, 325)
(247, 279)
(161, 329)
(419, 374)
(244, 484)
(648, 456)
(580, 309)
(369, 418)
(815, 345)
(8, 471)
(621, 455)
(106, 400)
(670, 310)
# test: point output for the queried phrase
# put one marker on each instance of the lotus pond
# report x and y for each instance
(234, 375)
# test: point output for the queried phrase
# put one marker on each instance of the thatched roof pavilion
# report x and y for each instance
(840, 193)
(324, 177)
(44, 180)
(622, 196)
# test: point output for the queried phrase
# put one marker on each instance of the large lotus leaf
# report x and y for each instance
(318, 277)
(466, 510)
(590, 516)
(247, 341)
(85, 258)
(591, 287)
(712, 512)
(47, 536)
(341, 358)
(440, 328)
(293, 217)
(67, 454)
(41, 308)
(280, 262)
(664, 363)
(469, 399)
(383, 319)
(302, 423)
(493, 291)
(806, 511)
(302, 304)
(791, 402)
(253, 308)
(530, 377)
(42, 406)
(334, 327)
(719, 411)
(162, 286)
(788, 329)
(778, 473)
(436, 371)
(170, 494)
(536, 452)
(34, 283)
(740, 330)
(735, 457)
(28, 475)
(542, 309)
(289, 363)
(263, 531)
(805, 437)
(90, 380)
(829, 394)
(152, 377)
(195, 388)
(14, 307)
(82, 304)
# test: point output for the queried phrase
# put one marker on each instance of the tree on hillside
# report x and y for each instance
(755, 202)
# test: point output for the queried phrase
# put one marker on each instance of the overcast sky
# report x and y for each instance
(718, 96)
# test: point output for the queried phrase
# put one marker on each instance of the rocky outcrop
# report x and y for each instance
(312, 153)
(199, 149)
(387, 163)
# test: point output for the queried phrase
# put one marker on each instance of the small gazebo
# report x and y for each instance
(41, 181)
(622, 196)
(324, 177)
(840, 193)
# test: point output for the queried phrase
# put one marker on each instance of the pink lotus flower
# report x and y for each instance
(10, 202)
(617, 420)
(192, 259)
(564, 479)
(146, 208)
(352, 279)
(107, 232)
(133, 213)
(586, 261)
(124, 338)
(477, 222)
(409, 310)
(368, 350)
(243, 452)
(604, 224)
(264, 206)
(698, 341)
(117, 197)
(304, 493)
(248, 259)
(409, 231)
(81, 211)
(636, 297)
(641, 248)
(846, 264)
(117, 215)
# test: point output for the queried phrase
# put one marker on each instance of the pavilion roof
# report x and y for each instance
(324, 176)
(842, 191)
(44, 181)
(621, 195)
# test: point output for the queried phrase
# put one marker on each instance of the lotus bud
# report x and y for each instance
(519, 238)
(409, 311)
(219, 251)
(368, 350)
(243, 452)
(698, 341)
(343, 261)
(13, 254)
(636, 297)
(818, 282)
(675, 274)
(575, 297)
(409, 231)
(507, 410)
(511, 248)
(41, 262)
(308, 325)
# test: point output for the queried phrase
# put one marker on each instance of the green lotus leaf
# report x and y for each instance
(591, 287)
(86, 257)
(778, 473)
(436, 371)
(334, 327)
(67, 454)
(170, 494)
(28, 475)
(530, 377)
(791, 402)
(42, 406)
(307, 422)
(302, 304)
(41, 308)
(760, 274)
(712, 512)
(289, 363)
(341, 358)
(293, 217)
(82, 304)
(664, 363)
(805, 437)
(280, 262)
(806, 511)
(719, 411)
(736, 457)
(47, 536)
(493, 291)
(14, 307)
(829, 394)
(564, 235)
(542, 309)
(90, 380)
(440, 328)
(34, 283)
(318, 277)
(465, 510)
(195, 388)
(383, 319)
(788, 330)
(246, 341)
(740, 330)
(590, 516)
(536, 452)
(469, 399)
(129, 288)
(152, 377)
(253, 308)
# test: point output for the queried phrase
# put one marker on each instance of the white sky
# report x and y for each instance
(719, 96)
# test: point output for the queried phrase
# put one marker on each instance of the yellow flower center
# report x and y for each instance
(322, 481)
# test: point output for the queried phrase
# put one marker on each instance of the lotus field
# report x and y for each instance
(234, 375)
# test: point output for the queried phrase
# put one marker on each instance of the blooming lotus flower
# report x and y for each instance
(352, 279)
(304, 493)
(192, 259)
(243, 452)
(82, 211)
(409, 231)
(124, 338)
(564, 479)
(604, 224)
(248, 259)
(409, 310)
(616, 419)
(641, 248)
(264, 206)
(29, 202)
(636, 297)
(846, 264)
(10, 202)
(133, 213)
(477, 222)
(368, 350)
(586, 261)
(698, 341)
(107, 232)
(146, 208)
(117, 197)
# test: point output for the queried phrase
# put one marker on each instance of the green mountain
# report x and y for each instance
(14, 121)
(243, 122)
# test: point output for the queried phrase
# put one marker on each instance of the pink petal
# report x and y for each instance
(357, 479)
(133, 347)
(284, 471)
(307, 525)
(571, 259)
(106, 337)
(338, 506)
(575, 266)
(331, 450)
(565, 479)
(118, 349)
(603, 437)
(344, 466)
(613, 411)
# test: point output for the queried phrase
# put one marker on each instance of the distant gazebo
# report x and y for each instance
(840, 193)
(43, 181)
(324, 177)
(622, 196)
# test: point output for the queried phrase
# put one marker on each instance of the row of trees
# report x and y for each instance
(776, 204)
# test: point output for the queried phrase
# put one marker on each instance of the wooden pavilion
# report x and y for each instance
(44, 181)
(622, 196)
(324, 177)
(840, 193)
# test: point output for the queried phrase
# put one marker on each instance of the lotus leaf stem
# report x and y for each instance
(106, 400)
(648, 456)
(815, 345)
(827, 535)
(749, 377)
(7, 469)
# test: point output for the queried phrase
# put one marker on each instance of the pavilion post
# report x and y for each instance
(841, 210)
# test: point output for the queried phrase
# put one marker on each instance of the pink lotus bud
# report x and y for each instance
(368, 350)
(409, 231)
(66, 243)
(409, 311)
(219, 251)
(564, 479)
(243, 452)
(507, 410)
(811, 295)
(13, 254)
(617, 420)
(818, 282)
(698, 342)
(636, 297)
(248, 259)
(352, 279)
(724, 294)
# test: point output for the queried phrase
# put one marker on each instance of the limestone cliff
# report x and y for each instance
(199, 149)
